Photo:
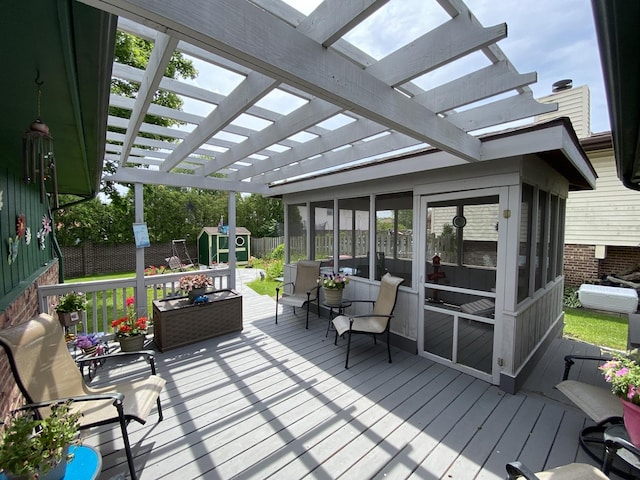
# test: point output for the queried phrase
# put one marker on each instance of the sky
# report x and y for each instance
(555, 39)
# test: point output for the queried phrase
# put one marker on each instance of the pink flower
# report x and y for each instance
(632, 392)
(622, 372)
(130, 301)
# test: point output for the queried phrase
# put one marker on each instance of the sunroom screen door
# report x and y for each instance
(460, 258)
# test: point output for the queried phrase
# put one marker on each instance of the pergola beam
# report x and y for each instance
(250, 36)
(158, 61)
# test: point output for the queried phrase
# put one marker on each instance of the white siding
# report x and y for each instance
(572, 103)
(608, 215)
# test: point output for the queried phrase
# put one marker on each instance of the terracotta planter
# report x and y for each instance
(631, 415)
(332, 296)
(131, 344)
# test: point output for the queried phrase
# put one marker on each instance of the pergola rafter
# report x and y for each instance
(272, 46)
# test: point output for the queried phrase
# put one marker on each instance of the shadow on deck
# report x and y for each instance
(274, 401)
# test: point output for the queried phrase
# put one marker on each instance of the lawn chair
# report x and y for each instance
(45, 371)
(572, 471)
(375, 323)
(598, 403)
(305, 288)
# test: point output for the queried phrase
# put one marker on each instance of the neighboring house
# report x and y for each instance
(602, 235)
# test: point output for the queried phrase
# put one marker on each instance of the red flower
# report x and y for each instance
(130, 325)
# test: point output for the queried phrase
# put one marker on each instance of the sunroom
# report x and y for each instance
(479, 246)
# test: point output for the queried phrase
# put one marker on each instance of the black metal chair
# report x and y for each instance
(45, 372)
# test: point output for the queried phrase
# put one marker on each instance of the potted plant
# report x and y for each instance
(33, 448)
(69, 307)
(333, 285)
(195, 285)
(623, 373)
(130, 330)
(88, 343)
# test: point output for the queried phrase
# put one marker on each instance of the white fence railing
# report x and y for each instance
(106, 299)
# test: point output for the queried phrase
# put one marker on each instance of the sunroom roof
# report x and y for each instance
(284, 94)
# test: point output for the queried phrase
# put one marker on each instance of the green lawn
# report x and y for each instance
(605, 330)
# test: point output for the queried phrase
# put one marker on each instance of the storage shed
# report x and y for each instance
(213, 245)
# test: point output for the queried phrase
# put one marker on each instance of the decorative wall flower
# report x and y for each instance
(21, 225)
(46, 224)
(27, 236)
(41, 238)
(13, 249)
(1, 201)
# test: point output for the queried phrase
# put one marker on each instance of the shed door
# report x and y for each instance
(461, 257)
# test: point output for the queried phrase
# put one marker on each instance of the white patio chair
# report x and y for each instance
(305, 288)
(375, 323)
(571, 471)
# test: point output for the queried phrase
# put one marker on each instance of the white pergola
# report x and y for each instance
(348, 107)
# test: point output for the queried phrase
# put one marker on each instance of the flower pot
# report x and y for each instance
(90, 350)
(55, 473)
(631, 415)
(131, 344)
(195, 293)
(69, 319)
(332, 296)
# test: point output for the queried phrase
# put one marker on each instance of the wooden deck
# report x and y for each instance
(275, 401)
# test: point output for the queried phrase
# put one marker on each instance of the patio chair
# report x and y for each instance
(45, 371)
(375, 323)
(598, 403)
(571, 471)
(305, 288)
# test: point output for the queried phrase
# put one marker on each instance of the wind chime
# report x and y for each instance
(38, 160)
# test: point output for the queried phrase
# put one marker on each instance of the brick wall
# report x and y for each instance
(581, 266)
(23, 308)
(620, 260)
(93, 259)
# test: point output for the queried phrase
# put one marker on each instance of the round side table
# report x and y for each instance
(86, 464)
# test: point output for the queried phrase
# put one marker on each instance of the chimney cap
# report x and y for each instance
(560, 85)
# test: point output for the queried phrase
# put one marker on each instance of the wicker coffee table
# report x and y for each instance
(178, 322)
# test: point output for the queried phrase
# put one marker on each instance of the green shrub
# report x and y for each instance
(570, 298)
(277, 253)
(275, 269)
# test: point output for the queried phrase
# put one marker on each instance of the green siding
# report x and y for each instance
(19, 198)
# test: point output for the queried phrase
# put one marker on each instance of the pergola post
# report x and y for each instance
(141, 291)
(231, 210)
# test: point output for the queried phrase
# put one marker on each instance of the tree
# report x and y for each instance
(111, 222)
(133, 51)
(260, 215)
(91, 220)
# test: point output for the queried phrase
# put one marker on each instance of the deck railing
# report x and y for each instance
(106, 299)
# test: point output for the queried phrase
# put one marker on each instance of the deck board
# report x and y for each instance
(275, 401)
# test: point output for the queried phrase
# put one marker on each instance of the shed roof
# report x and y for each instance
(214, 231)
